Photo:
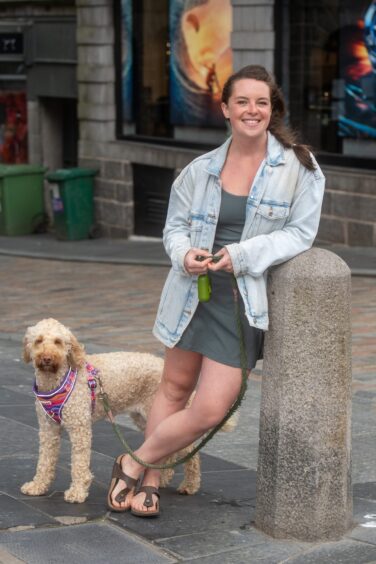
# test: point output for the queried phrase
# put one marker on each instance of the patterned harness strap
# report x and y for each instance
(54, 400)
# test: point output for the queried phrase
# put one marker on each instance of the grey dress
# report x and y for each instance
(213, 330)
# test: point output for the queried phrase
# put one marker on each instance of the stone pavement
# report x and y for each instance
(107, 293)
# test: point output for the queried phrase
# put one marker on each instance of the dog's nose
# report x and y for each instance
(46, 359)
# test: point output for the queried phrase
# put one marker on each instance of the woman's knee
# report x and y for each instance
(180, 378)
(175, 391)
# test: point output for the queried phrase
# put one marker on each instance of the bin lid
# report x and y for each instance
(70, 173)
(20, 169)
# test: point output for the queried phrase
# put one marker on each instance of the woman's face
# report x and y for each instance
(249, 108)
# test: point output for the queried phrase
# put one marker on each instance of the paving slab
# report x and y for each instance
(81, 544)
(365, 490)
(15, 513)
(366, 532)
(228, 546)
(187, 515)
(344, 552)
(364, 457)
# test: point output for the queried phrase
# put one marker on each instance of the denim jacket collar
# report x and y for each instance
(275, 155)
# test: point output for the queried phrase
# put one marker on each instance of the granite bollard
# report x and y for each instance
(304, 469)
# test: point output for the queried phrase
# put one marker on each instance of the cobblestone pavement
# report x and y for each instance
(112, 307)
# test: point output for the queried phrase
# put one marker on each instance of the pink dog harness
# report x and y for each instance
(54, 401)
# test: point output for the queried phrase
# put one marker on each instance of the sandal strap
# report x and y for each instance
(150, 491)
(118, 473)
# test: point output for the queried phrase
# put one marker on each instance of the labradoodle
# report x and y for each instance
(66, 396)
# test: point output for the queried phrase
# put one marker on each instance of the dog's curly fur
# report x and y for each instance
(130, 380)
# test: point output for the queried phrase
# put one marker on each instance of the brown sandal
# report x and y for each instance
(148, 502)
(118, 474)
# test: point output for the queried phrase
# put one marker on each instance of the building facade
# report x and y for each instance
(145, 98)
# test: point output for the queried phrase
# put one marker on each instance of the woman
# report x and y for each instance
(254, 202)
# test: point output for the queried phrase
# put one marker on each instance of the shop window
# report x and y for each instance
(331, 61)
(172, 58)
(13, 106)
(13, 127)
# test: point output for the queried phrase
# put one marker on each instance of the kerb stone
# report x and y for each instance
(304, 469)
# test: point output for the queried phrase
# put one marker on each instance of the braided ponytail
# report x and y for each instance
(277, 126)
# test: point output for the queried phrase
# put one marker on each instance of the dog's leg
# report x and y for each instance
(192, 476)
(49, 444)
(80, 434)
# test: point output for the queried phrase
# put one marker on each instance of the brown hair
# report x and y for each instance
(277, 126)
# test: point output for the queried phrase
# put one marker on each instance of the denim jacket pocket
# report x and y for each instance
(270, 216)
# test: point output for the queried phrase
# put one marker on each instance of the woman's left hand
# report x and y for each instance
(225, 263)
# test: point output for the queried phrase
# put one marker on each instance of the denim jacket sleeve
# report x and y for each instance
(253, 256)
(176, 234)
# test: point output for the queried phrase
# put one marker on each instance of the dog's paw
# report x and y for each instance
(33, 488)
(75, 495)
(187, 488)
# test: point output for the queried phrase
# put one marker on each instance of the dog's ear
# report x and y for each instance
(76, 354)
(26, 347)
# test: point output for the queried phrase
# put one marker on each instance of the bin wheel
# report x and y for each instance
(94, 232)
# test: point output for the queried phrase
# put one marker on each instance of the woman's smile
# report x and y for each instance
(249, 107)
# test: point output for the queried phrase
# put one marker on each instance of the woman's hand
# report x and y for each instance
(225, 262)
(194, 266)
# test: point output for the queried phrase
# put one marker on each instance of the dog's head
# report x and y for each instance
(51, 347)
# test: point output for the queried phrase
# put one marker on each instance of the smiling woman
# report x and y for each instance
(253, 202)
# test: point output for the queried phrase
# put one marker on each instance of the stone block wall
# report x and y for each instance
(253, 34)
(349, 207)
(97, 115)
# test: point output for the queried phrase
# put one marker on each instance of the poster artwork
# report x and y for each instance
(358, 65)
(201, 60)
(127, 60)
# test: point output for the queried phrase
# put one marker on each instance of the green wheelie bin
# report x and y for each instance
(71, 192)
(21, 199)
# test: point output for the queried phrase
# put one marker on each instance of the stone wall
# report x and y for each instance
(349, 207)
(253, 34)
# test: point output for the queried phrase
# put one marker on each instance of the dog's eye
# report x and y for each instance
(58, 342)
(39, 341)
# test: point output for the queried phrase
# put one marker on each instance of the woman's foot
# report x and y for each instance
(123, 482)
(145, 502)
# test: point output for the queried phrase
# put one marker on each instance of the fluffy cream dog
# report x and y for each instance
(130, 380)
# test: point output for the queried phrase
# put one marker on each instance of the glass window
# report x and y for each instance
(173, 57)
(13, 106)
(332, 74)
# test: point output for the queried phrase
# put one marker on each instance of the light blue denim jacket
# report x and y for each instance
(282, 217)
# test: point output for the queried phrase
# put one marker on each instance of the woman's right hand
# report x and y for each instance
(194, 266)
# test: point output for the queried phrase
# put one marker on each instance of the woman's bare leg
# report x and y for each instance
(218, 388)
(180, 375)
